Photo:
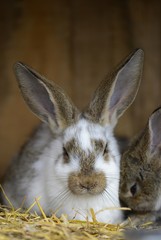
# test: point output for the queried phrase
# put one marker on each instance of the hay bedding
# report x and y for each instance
(20, 224)
(15, 224)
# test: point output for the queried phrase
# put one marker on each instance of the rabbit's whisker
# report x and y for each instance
(107, 194)
(112, 194)
(59, 200)
(110, 177)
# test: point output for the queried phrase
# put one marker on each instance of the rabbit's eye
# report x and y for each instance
(105, 150)
(133, 189)
(65, 155)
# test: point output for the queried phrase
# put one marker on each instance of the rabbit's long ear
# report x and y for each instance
(46, 99)
(115, 94)
(155, 132)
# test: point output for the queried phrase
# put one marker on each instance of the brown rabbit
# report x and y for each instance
(140, 177)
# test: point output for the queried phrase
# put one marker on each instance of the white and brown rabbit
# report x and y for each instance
(72, 162)
(140, 178)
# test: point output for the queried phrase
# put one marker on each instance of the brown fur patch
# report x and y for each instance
(72, 147)
(87, 160)
(86, 180)
(99, 145)
(92, 183)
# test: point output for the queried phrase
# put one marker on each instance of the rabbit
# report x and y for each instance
(71, 163)
(140, 172)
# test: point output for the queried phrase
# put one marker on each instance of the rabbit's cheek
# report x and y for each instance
(141, 205)
(138, 203)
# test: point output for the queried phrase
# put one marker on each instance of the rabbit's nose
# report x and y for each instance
(94, 183)
(87, 185)
(91, 185)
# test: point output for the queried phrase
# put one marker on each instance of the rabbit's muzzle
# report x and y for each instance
(93, 183)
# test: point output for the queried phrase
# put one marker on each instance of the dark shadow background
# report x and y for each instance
(75, 43)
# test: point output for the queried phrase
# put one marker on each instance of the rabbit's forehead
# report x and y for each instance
(84, 133)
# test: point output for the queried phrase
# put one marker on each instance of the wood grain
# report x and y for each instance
(75, 43)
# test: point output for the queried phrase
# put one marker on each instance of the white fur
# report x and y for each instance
(52, 175)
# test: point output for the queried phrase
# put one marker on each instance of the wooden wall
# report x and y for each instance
(75, 43)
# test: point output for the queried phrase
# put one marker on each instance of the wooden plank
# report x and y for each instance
(40, 39)
(145, 23)
(75, 43)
